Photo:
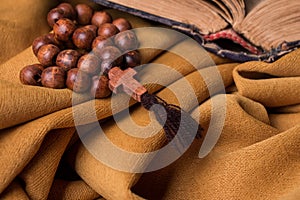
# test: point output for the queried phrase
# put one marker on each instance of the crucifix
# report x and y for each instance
(119, 78)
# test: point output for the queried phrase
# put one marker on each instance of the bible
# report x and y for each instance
(241, 30)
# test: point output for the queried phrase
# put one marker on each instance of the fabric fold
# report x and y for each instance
(251, 160)
(123, 135)
(52, 147)
(274, 85)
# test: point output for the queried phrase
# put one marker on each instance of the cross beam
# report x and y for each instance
(119, 78)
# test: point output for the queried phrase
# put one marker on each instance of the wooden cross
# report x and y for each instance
(119, 78)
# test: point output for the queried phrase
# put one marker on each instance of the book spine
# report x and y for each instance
(230, 34)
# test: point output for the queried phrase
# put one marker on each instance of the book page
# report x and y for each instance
(250, 4)
(194, 12)
(270, 23)
(225, 11)
(237, 10)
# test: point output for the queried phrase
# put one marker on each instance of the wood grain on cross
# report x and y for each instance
(119, 78)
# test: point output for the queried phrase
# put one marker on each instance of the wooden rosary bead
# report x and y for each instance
(100, 42)
(54, 77)
(63, 29)
(83, 38)
(67, 59)
(54, 41)
(51, 37)
(122, 24)
(61, 44)
(132, 59)
(47, 54)
(105, 66)
(92, 28)
(112, 54)
(78, 81)
(126, 40)
(101, 17)
(31, 74)
(39, 42)
(99, 87)
(54, 15)
(89, 63)
(84, 14)
(68, 9)
(107, 30)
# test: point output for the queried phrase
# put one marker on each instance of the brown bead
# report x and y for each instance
(126, 40)
(101, 17)
(54, 15)
(122, 24)
(67, 59)
(54, 41)
(51, 37)
(54, 77)
(78, 81)
(107, 30)
(68, 9)
(47, 54)
(84, 13)
(112, 54)
(92, 28)
(60, 44)
(100, 42)
(31, 74)
(99, 88)
(132, 59)
(89, 63)
(105, 66)
(39, 42)
(63, 29)
(83, 38)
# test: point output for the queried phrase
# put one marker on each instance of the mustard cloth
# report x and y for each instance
(41, 156)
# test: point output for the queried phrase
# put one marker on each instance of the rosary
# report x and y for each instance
(89, 52)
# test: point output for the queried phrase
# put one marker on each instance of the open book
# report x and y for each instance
(263, 29)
